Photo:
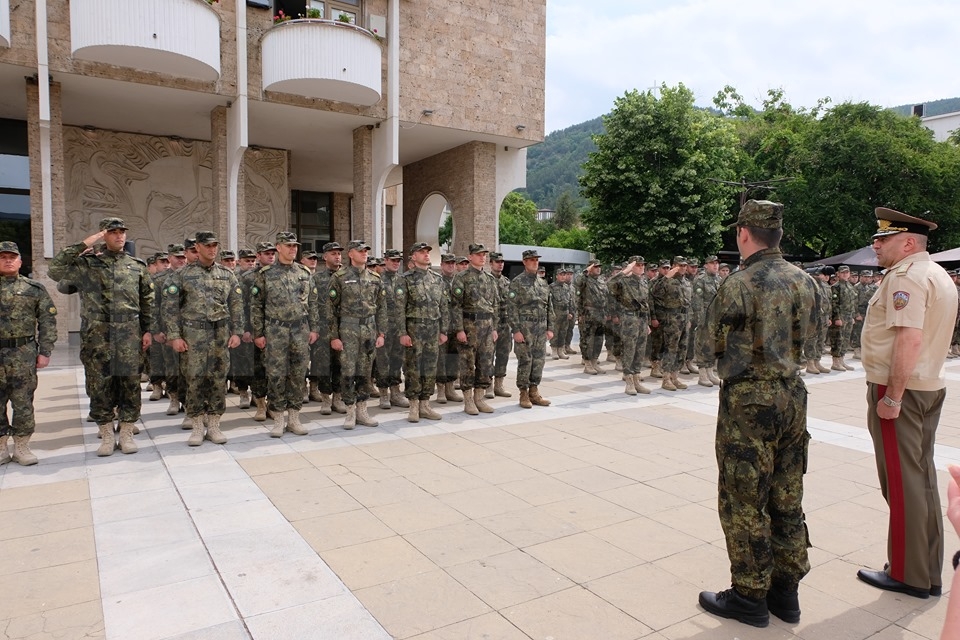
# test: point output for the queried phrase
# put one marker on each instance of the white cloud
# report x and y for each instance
(885, 52)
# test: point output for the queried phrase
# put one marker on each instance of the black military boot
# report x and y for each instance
(730, 604)
(784, 603)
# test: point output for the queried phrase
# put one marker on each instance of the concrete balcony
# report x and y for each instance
(177, 37)
(323, 59)
(4, 23)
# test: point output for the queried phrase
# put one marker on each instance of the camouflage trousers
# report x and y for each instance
(286, 358)
(568, 335)
(692, 327)
(823, 340)
(359, 339)
(704, 355)
(325, 365)
(633, 326)
(476, 354)
(171, 368)
(448, 359)
(389, 363)
(761, 449)
(561, 328)
(611, 333)
(420, 360)
(591, 337)
(655, 343)
(531, 352)
(110, 353)
(501, 351)
(18, 383)
(241, 365)
(672, 329)
(855, 332)
(840, 338)
(203, 369)
(157, 367)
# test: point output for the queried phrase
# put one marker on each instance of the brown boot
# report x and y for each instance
(426, 411)
(244, 399)
(214, 434)
(525, 399)
(325, 408)
(655, 370)
(498, 389)
(812, 368)
(294, 425)
(571, 350)
(638, 386)
(563, 353)
(837, 365)
(555, 353)
(279, 425)
(488, 393)
(107, 442)
(384, 395)
(315, 394)
(596, 365)
(667, 383)
(846, 366)
(856, 353)
(372, 390)
(4, 450)
(174, 407)
(692, 368)
(21, 451)
(677, 382)
(441, 393)
(536, 398)
(631, 385)
(127, 445)
(479, 402)
(820, 366)
(704, 379)
(589, 368)
(157, 392)
(196, 434)
(413, 415)
(397, 398)
(336, 403)
(350, 421)
(261, 415)
(452, 394)
(469, 406)
(363, 417)
(712, 375)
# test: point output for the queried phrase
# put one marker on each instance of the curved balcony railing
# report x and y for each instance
(324, 59)
(177, 37)
(4, 23)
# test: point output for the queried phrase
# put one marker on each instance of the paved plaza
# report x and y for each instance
(592, 519)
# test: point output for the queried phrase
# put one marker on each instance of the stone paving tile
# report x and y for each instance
(574, 613)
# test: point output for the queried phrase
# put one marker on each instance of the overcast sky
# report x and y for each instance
(886, 52)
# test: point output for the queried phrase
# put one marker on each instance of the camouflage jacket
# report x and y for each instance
(760, 318)
(528, 300)
(503, 285)
(198, 294)
(321, 282)
(864, 293)
(704, 288)
(390, 281)
(473, 291)
(632, 295)
(114, 287)
(420, 294)
(282, 294)
(614, 308)
(561, 298)
(356, 295)
(667, 296)
(28, 312)
(826, 308)
(591, 297)
(843, 301)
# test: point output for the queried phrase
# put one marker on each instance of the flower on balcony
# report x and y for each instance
(344, 18)
(377, 35)
(314, 13)
(281, 17)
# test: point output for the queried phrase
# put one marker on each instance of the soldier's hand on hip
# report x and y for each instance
(261, 342)
(233, 342)
(407, 341)
(42, 361)
(517, 337)
(179, 345)
(313, 337)
(462, 336)
(336, 344)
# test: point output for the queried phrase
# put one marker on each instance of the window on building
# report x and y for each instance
(311, 217)
(388, 227)
(15, 189)
(329, 9)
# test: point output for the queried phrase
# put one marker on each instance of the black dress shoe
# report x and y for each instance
(881, 580)
(784, 604)
(730, 604)
(936, 590)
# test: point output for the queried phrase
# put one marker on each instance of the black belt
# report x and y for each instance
(117, 317)
(477, 315)
(10, 343)
(286, 323)
(205, 324)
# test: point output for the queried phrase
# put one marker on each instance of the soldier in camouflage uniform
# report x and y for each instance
(504, 335)
(826, 314)
(390, 355)
(284, 317)
(530, 318)
(448, 356)
(704, 289)
(203, 308)
(169, 360)
(567, 339)
(843, 305)
(28, 330)
(241, 358)
(421, 315)
(475, 311)
(117, 298)
(357, 308)
(266, 256)
(155, 352)
(689, 340)
(561, 296)
(811, 348)
(865, 291)
(757, 325)
(656, 330)
(612, 331)
(590, 295)
(324, 361)
(669, 310)
(632, 296)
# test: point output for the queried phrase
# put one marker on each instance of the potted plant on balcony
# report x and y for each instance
(314, 14)
(281, 17)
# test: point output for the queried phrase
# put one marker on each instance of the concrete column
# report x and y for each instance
(221, 174)
(363, 218)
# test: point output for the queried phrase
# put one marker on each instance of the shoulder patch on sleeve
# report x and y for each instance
(900, 299)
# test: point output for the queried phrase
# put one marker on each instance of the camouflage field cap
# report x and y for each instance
(448, 257)
(358, 245)
(393, 254)
(161, 256)
(9, 247)
(371, 261)
(637, 259)
(109, 224)
(890, 222)
(692, 262)
(462, 260)
(679, 260)
(563, 269)
(228, 255)
(246, 253)
(760, 213)
(332, 246)
(843, 269)
(710, 259)
(189, 243)
(419, 246)
(478, 248)
(175, 250)
(530, 254)
(150, 260)
(206, 237)
(593, 263)
(286, 237)
(867, 272)
(263, 247)
(308, 255)
(665, 264)
(496, 256)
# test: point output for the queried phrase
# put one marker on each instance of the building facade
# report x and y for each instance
(355, 118)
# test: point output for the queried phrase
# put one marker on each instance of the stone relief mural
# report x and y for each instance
(267, 197)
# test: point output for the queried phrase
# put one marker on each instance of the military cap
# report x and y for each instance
(636, 259)
(710, 259)
(843, 269)
(530, 253)
(866, 272)
(679, 260)
(665, 263)
(161, 255)
(9, 247)
(448, 257)
(419, 246)
(150, 260)
(206, 237)
(724, 264)
(189, 243)
(827, 270)
(496, 256)
(263, 247)
(395, 254)
(308, 255)
(175, 250)
(564, 269)
(478, 248)
(890, 222)
(593, 263)
(332, 246)
(693, 262)
(246, 253)
(371, 261)
(359, 245)
(109, 224)
(760, 213)
(286, 237)
(462, 259)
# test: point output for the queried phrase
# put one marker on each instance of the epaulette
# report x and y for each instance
(902, 269)
(264, 267)
(141, 261)
(34, 283)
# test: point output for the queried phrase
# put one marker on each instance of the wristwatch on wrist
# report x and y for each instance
(890, 402)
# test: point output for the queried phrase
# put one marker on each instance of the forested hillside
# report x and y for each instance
(554, 166)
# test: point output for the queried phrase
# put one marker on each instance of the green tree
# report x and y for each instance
(445, 233)
(576, 238)
(652, 181)
(566, 215)
(518, 218)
